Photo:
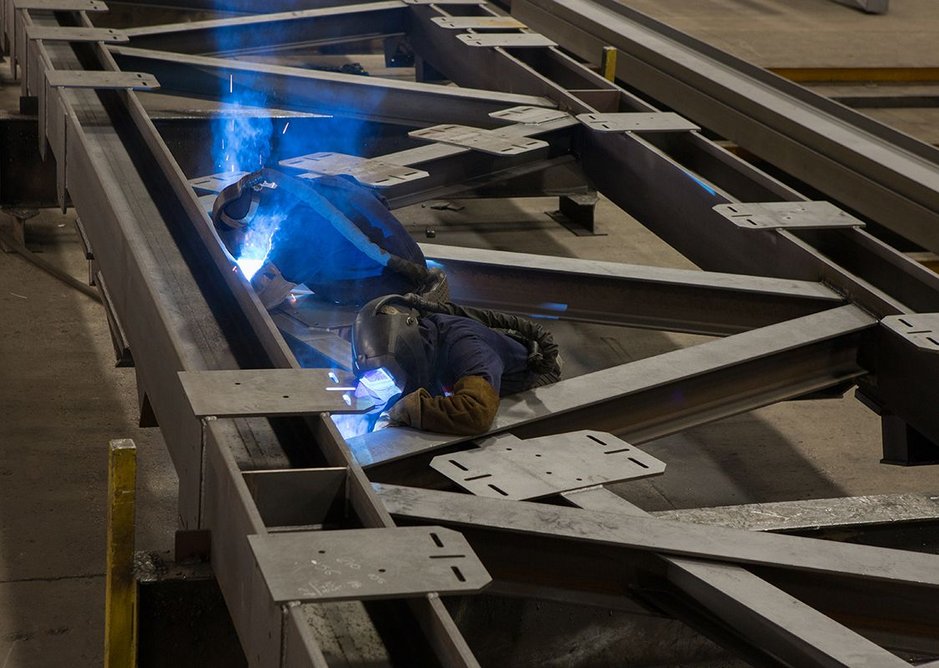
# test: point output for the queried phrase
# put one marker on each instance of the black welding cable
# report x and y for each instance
(48, 267)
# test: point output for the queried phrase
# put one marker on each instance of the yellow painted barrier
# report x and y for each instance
(608, 63)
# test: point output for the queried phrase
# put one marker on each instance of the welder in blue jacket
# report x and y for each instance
(448, 364)
(330, 233)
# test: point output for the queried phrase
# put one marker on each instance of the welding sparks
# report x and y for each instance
(231, 83)
(285, 128)
(340, 389)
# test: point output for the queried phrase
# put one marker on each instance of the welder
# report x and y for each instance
(331, 233)
(443, 367)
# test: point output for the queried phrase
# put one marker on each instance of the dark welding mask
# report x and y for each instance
(388, 354)
(237, 205)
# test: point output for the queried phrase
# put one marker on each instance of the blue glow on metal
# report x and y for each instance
(553, 306)
(433, 264)
(704, 185)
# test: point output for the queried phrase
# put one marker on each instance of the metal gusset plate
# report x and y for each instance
(529, 115)
(660, 121)
(59, 34)
(109, 79)
(216, 183)
(270, 392)
(370, 171)
(506, 467)
(920, 329)
(367, 564)
(507, 40)
(775, 215)
(477, 22)
(444, 2)
(478, 139)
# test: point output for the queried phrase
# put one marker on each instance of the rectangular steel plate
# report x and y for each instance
(370, 171)
(477, 22)
(529, 115)
(367, 564)
(57, 34)
(478, 139)
(507, 40)
(216, 183)
(269, 392)
(506, 467)
(444, 2)
(61, 5)
(920, 329)
(775, 215)
(93, 79)
(664, 121)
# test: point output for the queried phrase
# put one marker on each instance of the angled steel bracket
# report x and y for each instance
(370, 171)
(529, 115)
(507, 40)
(920, 329)
(478, 139)
(662, 121)
(789, 215)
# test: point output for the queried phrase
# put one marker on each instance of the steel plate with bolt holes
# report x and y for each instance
(58, 34)
(664, 121)
(920, 329)
(506, 40)
(477, 22)
(529, 115)
(92, 79)
(369, 171)
(478, 139)
(506, 467)
(775, 215)
(367, 564)
(269, 392)
(216, 183)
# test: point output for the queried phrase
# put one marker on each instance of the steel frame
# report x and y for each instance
(797, 312)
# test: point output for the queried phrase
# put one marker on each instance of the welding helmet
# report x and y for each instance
(387, 345)
(237, 205)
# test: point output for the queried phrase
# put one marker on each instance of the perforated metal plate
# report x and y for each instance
(478, 139)
(269, 392)
(773, 215)
(507, 467)
(920, 329)
(507, 40)
(665, 121)
(93, 79)
(58, 34)
(367, 564)
(216, 183)
(529, 115)
(477, 22)
(370, 171)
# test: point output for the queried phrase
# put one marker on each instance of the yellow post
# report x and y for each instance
(608, 63)
(120, 604)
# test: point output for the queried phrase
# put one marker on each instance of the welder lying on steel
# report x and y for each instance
(330, 233)
(448, 364)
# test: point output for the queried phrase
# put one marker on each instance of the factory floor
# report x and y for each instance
(62, 399)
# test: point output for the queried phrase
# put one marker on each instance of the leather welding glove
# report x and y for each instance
(469, 410)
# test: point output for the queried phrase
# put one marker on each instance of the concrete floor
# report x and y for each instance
(62, 399)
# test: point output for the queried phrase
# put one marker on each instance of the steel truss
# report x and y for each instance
(797, 312)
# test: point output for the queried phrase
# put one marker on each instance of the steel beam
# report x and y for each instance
(629, 295)
(346, 95)
(661, 395)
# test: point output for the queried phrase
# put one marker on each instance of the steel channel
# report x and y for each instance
(871, 168)
(667, 393)
(628, 295)
(270, 31)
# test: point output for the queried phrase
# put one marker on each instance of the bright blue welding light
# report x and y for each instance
(250, 265)
(553, 306)
(433, 264)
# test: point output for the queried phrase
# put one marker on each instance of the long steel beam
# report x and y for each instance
(660, 395)
(628, 295)
(880, 172)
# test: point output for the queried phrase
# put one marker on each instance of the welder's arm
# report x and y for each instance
(469, 410)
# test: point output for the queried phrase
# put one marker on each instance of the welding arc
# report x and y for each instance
(48, 267)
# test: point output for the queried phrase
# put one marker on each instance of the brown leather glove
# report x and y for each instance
(469, 410)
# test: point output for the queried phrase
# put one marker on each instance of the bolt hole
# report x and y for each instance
(322, 551)
(286, 396)
(381, 570)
